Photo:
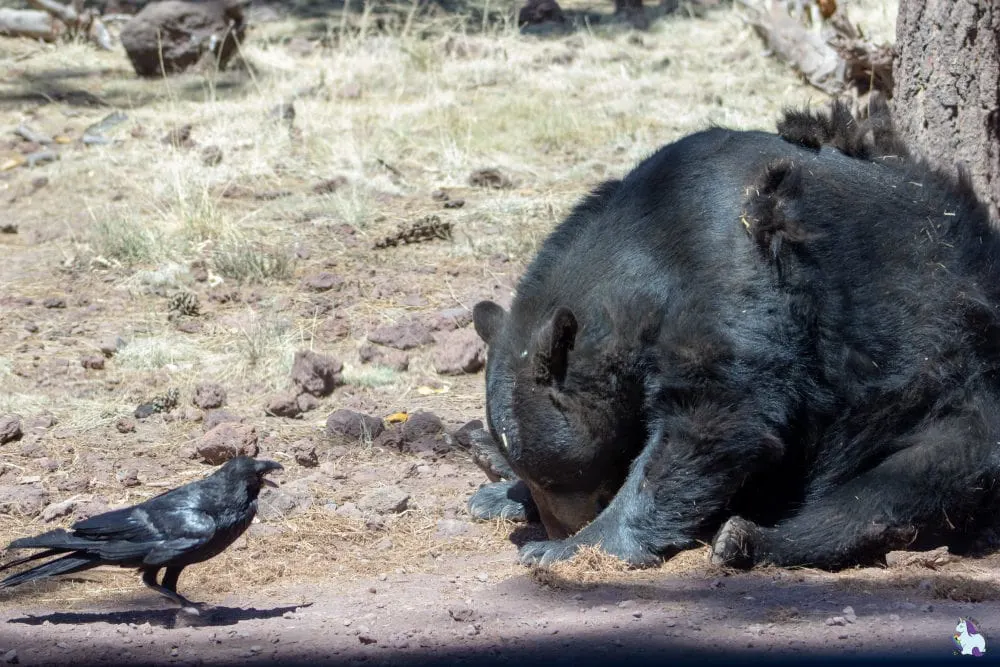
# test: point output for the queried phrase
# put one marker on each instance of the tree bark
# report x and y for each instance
(946, 101)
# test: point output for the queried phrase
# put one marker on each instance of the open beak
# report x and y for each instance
(265, 467)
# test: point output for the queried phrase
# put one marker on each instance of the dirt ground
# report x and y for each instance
(201, 260)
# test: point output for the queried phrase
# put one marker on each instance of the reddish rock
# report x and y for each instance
(450, 319)
(386, 500)
(226, 441)
(285, 404)
(10, 429)
(215, 417)
(322, 282)
(304, 452)
(405, 336)
(93, 362)
(421, 425)
(350, 425)
(397, 360)
(458, 352)
(125, 425)
(316, 374)
(209, 395)
(25, 500)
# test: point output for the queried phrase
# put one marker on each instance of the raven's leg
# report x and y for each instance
(169, 587)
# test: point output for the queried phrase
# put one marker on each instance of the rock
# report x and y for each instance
(450, 319)
(226, 441)
(307, 402)
(109, 345)
(386, 500)
(10, 429)
(54, 302)
(26, 500)
(397, 360)
(216, 417)
(349, 511)
(209, 395)
(285, 404)
(178, 34)
(58, 510)
(128, 477)
(125, 425)
(32, 450)
(211, 156)
(490, 178)
(292, 498)
(42, 422)
(304, 452)
(315, 373)
(462, 613)
(421, 425)
(836, 621)
(93, 362)
(353, 426)
(405, 336)
(322, 282)
(458, 352)
(448, 528)
(464, 435)
(10, 657)
(89, 508)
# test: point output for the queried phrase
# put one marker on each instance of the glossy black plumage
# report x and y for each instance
(186, 525)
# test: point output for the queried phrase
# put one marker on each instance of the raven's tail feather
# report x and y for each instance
(28, 559)
(67, 564)
(54, 539)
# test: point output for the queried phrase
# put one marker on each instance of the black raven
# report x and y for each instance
(186, 525)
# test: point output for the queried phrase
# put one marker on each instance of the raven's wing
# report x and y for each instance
(154, 536)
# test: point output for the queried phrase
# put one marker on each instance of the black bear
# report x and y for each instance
(787, 345)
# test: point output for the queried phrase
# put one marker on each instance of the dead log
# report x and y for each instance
(50, 20)
(836, 58)
(29, 23)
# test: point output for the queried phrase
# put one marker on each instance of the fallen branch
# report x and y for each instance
(50, 20)
(834, 58)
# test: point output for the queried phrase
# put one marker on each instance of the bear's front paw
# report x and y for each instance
(503, 500)
(548, 552)
(736, 544)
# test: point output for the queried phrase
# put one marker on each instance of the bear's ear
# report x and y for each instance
(488, 318)
(555, 342)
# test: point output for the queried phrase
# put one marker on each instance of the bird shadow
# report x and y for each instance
(162, 618)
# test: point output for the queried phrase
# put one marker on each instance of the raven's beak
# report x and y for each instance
(264, 467)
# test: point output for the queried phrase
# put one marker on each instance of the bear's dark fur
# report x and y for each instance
(787, 345)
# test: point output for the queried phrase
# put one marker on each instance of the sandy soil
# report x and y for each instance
(273, 225)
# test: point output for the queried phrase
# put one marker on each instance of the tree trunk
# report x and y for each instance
(946, 100)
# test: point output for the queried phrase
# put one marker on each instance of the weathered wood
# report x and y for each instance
(29, 23)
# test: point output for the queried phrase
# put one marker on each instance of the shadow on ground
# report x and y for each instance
(162, 618)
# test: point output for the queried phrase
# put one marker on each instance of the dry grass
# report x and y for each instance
(396, 114)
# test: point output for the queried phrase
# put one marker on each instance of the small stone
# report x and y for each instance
(404, 336)
(10, 429)
(454, 203)
(58, 510)
(93, 362)
(306, 402)
(462, 613)
(211, 156)
(367, 639)
(420, 425)
(386, 500)
(836, 621)
(304, 452)
(209, 395)
(128, 477)
(54, 302)
(354, 426)
(490, 178)
(285, 404)
(10, 657)
(316, 374)
(458, 352)
(125, 425)
(215, 417)
(378, 355)
(31, 327)
(109, 345)
(226, 441)
(322, 282)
